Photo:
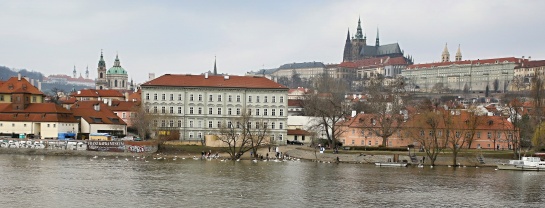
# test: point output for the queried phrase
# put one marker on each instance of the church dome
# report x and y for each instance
(116, 69)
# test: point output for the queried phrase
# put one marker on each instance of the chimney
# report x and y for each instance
(126, 96)
(151, 76)
(39, 85)
(105, 101)
(206, 75)
(18, 76)
(353, 113)
(226, 77)
(97, 107)
(79, 92)
(109, 102)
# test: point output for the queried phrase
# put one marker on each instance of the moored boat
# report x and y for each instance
(526, 163)
(391, 164)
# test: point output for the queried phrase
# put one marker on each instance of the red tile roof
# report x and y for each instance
(531, 64)
(179, 80)
(295, 103)
(37, 112)
(298, 132)
(97, 93)
(474, 62)
(14, 85)
(118, 105)
(86, 110)
(136, 96)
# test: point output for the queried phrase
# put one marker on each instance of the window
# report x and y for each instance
(229, 124)
(490, 135)
(257, 99)
(190, 123)
(281, 99)
(209, 124)
(421, 133)
(124, 115)
(163, 109)
(154, 109)
(154, 96)
(171, 97)
(219, 98)
(179, 110)
(280, 125)
(179, 123)
(191, 135)
(238, 111)
(219, 111)
(147, 96)
(147, 109)
(281, 112)
(230, 98)
(264, 112)
(33, 98)
(257, 125)
(210, 98)
(171, 110)
(265, 99)
(228, 111)
(273, 112)
(200, 97)
(162, 123)
(190, 110)
(280, 137)
(179, 96)
(209, 111)
(191, 97)
(265, 125)
(200, 111)
(274, 99)
(272, 125)
(249, 125)
(250, 99)
(162, 96)
(199, 135)
(478, 134)
(219, 124)
(249, 111)
(171, 123)
(257, 112)
(238, 98)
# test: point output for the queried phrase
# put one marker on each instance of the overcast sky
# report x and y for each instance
(184, 36)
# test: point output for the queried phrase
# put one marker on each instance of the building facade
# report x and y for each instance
(473, 75)
(198, 105)
(305, 70)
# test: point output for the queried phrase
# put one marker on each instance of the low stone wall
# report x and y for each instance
(372, 158)
(67, 147)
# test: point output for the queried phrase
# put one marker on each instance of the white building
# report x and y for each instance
(198, 105)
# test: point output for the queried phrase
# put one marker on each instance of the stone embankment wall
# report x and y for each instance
(310, 154)
(73, 147)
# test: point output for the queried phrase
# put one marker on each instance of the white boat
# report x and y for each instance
(526, 163)
(391, 164)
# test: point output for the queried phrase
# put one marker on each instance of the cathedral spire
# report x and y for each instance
(377, 42)
(101, 62)
(74, 72)
(117, 62)
(87, 72)
(215, 68)
(359, 32)
(458, 56)
(348, 36)
(445, 57)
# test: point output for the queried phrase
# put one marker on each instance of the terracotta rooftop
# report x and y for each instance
(297, 132)
(179, 80)
(97, 93)
(86, 110)
(14, 85)
(37, 112)
(135, 96)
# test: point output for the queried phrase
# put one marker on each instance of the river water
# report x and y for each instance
(57, 181)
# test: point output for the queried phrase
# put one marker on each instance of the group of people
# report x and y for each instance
(209, 155)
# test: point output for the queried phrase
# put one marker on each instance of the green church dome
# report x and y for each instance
(116, 69)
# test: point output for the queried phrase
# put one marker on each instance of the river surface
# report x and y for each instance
(57, 181)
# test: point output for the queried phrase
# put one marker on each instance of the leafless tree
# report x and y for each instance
(141, 120)
(241, 136)
(427, 128)
(327, 106)
(385, 103)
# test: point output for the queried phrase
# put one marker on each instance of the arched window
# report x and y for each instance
(115, 83)
(122, 83)
(100, 74)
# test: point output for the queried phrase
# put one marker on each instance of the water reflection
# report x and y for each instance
(38, 181)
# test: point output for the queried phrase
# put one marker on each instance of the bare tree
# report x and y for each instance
(56, 95)
(259, 136)
(141, 120)
(385, 104)
(240, 137)
(496, 85)
(460, 128)
(427, 128)
(327, 106)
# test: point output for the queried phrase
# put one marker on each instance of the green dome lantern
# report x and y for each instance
(116, 69)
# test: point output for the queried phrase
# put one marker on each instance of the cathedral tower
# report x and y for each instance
(101, 82)
(458, 54)
(347, 48)
(445, 57)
